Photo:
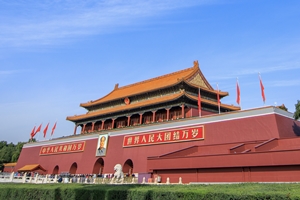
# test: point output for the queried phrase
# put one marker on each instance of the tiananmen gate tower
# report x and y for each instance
(173, 126)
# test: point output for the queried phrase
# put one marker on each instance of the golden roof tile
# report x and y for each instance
(125, 107)
(10, 164)
(31, 168)
(152, 101)
(192, 75)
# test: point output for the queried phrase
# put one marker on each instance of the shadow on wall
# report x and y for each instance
(296, 129)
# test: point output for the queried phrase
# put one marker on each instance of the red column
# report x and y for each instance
(113, 123)
(93, 125)
(83, 128)
(75, 129)
(128, 121)
(182, 111)
(102, 126)
(141, 118)
(168, 113)
(153, 116)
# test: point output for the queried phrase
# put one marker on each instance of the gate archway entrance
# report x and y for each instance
(55, 170)
(128, 167)
(98, 166)
(73, 168)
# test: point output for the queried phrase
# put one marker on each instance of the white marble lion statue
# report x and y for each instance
(118, 175)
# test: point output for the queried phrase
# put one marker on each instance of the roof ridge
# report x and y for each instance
(155, 78)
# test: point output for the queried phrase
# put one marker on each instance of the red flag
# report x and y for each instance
(38, 129)
(238, 93)
(53, 129)
(199, 103)
(45, 130)
(218, 98)
(262, 89)
(32, 134)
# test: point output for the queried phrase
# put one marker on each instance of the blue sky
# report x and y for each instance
(57, 54)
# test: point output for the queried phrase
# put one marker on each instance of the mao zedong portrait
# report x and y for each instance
(101, 151)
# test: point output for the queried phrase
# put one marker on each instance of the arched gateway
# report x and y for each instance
(55, 170)
(98, 166)
(128, 167)
(73, 168)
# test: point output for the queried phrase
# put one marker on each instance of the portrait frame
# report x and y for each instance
(101, 148)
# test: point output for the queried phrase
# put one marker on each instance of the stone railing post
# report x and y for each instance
(24, 177)
(168, 181)
(180, 180)
(11, 178)
(55, 178)
(36, 178)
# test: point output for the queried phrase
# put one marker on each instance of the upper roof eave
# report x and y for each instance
(159, 82)
(133, 94)
(125, 107)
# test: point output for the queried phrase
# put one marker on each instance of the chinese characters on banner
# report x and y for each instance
(62, 148)
(164, 136)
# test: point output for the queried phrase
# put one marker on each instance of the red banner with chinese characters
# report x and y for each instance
(164, 136)
(62, 148)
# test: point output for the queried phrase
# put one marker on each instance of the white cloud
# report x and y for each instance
(45, 22)
(251, 71)
(8, 72)
(285, 83)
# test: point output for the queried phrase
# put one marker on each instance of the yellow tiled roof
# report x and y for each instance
(126, 107)
(162, 99)
(31, 168)
(10, 164)
(151, 85)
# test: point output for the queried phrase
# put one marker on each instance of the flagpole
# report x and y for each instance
(239, 92)
(38, 137)
(32, 133)
(53, 128)
(39, 130)
(199, 102)
(45, 131)
(262, 88)
(218, 99)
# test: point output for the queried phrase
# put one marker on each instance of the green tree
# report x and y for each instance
(10, 152)
(297, 110)
(6, 154)
(17, 151)
(3, 144)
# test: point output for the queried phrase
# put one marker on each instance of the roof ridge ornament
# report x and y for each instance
(196, 64)
(116, 86)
